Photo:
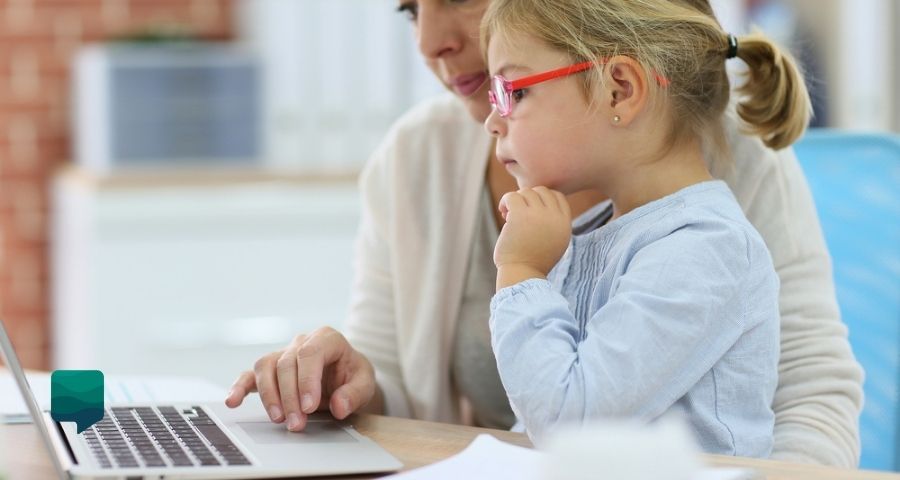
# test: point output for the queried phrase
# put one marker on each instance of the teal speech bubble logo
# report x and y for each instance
(77, 396)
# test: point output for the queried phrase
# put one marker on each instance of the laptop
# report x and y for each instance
(195, 441)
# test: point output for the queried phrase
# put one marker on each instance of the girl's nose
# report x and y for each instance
(494, 124)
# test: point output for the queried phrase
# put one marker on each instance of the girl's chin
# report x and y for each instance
(524, 182)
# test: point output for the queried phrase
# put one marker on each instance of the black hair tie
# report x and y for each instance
(732, 46)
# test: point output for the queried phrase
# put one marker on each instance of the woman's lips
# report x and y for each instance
(466, 85)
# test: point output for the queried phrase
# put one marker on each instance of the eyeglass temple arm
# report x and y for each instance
(562, 72)
(542, 77)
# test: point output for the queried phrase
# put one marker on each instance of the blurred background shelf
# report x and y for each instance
(195, 274)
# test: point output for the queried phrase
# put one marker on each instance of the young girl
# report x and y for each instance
(664, 298)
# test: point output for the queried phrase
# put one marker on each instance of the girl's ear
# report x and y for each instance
(627, 89)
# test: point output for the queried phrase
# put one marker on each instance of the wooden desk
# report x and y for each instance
(418, 443)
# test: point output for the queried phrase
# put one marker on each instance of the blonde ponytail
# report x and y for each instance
(775, 104)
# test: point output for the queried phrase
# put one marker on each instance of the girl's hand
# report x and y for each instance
(535, 236)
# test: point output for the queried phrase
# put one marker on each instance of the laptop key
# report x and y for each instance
(220, 441)
(130, 437)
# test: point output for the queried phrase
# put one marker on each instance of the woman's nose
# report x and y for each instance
(438, 32)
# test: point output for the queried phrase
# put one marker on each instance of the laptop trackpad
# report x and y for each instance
(315, 432)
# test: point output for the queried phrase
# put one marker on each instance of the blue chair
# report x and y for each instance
(855, 181)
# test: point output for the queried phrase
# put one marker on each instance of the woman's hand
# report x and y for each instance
(316, 371)
(535, 236)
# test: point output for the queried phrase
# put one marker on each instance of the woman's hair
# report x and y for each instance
(679, 40)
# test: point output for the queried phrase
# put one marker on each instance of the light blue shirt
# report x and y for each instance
(672, 307)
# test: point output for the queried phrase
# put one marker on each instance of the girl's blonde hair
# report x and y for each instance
(679, 40)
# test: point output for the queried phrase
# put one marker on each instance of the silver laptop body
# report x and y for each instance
(198, 441)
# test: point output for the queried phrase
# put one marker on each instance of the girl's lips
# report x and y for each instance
(466, 85)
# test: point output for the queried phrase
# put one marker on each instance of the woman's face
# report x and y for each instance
(447, 36)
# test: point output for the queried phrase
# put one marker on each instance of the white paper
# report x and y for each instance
(726, 474)
(118, 389)
(487, 457)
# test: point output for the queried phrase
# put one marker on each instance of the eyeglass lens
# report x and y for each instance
(501, 96)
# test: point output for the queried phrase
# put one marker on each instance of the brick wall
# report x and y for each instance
(37, 41)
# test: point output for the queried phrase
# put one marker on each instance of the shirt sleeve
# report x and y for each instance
(653, 340)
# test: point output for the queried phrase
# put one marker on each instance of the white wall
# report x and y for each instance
(865, 65)
(337, 73)
(895, 78)
(859, 48)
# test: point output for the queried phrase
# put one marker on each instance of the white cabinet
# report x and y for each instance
(195, 276)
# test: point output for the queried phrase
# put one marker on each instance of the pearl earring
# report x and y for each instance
(617, 119)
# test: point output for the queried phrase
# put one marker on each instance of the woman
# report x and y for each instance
(417, 342)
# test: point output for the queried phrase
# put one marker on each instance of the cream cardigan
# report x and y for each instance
(420, 194)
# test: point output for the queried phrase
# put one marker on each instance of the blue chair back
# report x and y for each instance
(855, 181)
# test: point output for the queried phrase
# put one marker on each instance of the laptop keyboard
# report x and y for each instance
(132, 437)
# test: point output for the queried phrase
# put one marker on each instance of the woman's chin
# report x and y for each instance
(478, 110)
(477, 104)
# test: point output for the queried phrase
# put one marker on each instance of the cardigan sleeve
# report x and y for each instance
(420, 192)
(371, 324)
(819, 394)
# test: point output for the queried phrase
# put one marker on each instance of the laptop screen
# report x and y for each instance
(8, 355)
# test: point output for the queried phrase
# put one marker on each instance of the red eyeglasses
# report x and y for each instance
(500, 94)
